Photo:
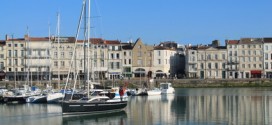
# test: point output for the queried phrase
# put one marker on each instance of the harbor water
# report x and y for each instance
(188, 106)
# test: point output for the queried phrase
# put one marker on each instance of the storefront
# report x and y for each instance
(256, 73)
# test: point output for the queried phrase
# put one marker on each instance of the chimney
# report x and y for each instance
(7, 37)
(26, 37)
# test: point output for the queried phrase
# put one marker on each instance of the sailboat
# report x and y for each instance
(90, 104)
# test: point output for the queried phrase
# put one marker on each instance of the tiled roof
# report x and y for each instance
(38, 39)
(97, 41)
(112, 42)
(267, 40)
(232, 41)
(251, 41)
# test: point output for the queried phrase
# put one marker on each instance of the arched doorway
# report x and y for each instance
(140, 72)
(160, 74)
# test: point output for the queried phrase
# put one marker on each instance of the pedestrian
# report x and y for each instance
(121, 92)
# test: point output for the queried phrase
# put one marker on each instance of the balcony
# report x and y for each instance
(233, 62)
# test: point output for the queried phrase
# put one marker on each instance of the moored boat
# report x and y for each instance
(94, 105)
(166, 88)
(155, 91)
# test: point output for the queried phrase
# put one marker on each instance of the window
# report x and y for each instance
(139, 54)
(22, 53)
(139, 62)
(260, 65)
(16, 62)
(129, 61)
(254, 52)
(70, 54)
(159, 53)
(202, 66)
(216, 65)
(111, 65)
(215, 56)
(209, 57)
(223, 65)
(125, 61)
(117, 56)
(9, 45)
(243, 65)
(55, 63)
(209, 65)
(9, 62)
(230, 53)
(22, 61)
(102, 63)
(254, 65)
(9, 53)
(95, 55)
(223, 56)
(243, 52)
(22, 45)
(55, 54)
(112, 56)
(125, 54)
(118, 65)
(95, 63)
(248, 52)
(266, 65)
(15, 45)
(15, 53)
(266, 56)
(248, 65)
(62, 54)
(159, 61)
(62, 63)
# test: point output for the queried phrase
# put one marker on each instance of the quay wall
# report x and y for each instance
(177, 83)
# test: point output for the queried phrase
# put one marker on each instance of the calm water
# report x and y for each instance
(201, 106)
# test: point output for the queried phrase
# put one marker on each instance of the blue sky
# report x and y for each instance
(183, 21)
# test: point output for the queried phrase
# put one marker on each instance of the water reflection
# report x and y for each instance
(221, 106)
(203, 106)
(30, 114)
(229, 106)
(117, 118)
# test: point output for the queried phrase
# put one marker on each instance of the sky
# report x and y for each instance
(154, 21)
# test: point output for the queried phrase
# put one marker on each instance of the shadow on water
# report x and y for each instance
(111, 118)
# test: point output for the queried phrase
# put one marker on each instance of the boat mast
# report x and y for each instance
(58, 37)
(49, 56)
(88, 46)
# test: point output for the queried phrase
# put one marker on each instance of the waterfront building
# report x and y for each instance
(232, 65)
(142, 58)
(2, 59)
(62, 52)
(100, 58)
(267, 57)
(164, 61)
(2, 55)
(211, 61)
(27, 58)
(115, 59)
(251, 57)
(127, 59)
(191, 62)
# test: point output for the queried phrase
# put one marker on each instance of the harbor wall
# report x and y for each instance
(137, 83)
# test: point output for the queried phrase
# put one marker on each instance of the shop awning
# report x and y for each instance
(256, 71)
